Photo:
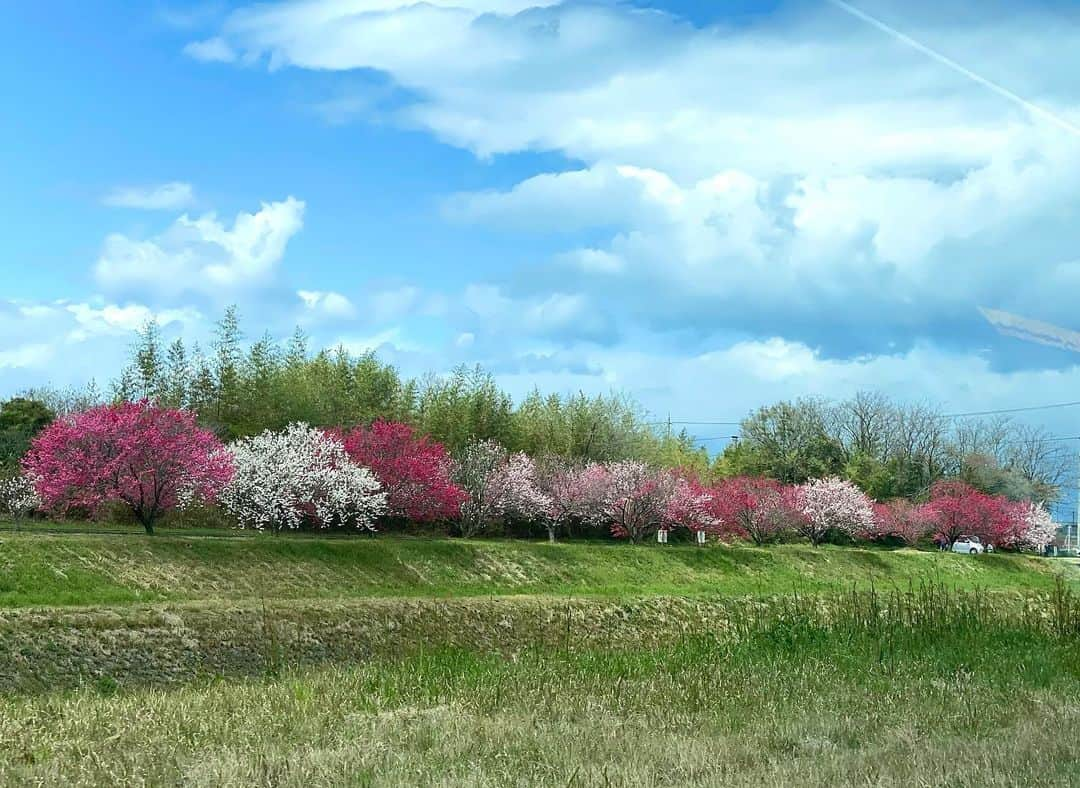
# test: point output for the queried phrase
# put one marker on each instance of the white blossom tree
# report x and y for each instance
(833, 504)
(298, 476)
(18, 496)
(1038, 529)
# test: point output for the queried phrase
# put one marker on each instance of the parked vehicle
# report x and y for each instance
(971, 545)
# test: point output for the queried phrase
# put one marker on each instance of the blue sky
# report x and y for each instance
(708, 205)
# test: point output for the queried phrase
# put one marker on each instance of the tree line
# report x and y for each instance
(237, 389)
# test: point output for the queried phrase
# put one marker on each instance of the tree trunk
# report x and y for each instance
(551, 535)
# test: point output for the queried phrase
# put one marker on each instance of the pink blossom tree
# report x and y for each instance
(636, 499)
(833, 504)
(575, 492)
(413, 470)
(149, 458)
(497, 485)
(692, 506)
(758, 508)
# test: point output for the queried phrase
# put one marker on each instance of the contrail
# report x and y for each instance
(1034, 109)
(1032, 330)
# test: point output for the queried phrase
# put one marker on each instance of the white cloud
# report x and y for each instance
(69, 342)
(203, 254)
(31, 355)
(796, 188)
(164, 197)
(327, 304)
(95, 319)
(211, 50)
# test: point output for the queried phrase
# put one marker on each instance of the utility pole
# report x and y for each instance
(1076, 512)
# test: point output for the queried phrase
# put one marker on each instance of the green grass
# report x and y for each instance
(49, 569)
(853, 689)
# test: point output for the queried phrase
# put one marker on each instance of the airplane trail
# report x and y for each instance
(947, 61)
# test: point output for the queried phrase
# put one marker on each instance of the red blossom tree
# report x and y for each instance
(413, 470)
(757, 508)
(152, 459)
(900, 519)
(958, 509)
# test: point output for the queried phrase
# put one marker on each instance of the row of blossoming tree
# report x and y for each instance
(154, 460)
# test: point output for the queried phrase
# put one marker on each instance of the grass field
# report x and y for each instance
(83, 569)
(903, 691)
(256, 660)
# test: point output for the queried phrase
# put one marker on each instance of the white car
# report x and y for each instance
(971, 545)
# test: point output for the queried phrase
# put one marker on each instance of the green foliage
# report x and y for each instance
(790, 442)
(21, 418)
(238, 392)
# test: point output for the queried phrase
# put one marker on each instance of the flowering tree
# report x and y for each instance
(477, 473)
(498, 485)
(958, 509)
(18, 496)
(762, 509)
(300, 476)
(520, 489)
(833, 504)
(1038, 527)
(900, 519)
(575, 493)
(636, 499)
(692, 506)
(151, 459)
(413, 470)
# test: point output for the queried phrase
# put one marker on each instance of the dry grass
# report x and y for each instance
(859, 690)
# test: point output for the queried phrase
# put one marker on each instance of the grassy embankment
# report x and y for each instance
(38, 569)
(913, 690)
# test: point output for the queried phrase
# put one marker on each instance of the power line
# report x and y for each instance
(1011, 410)
(966, 414)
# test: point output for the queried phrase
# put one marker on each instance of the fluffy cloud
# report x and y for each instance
(203, 254)
(796, 201)
(326, 304)
(71, 342)
(164, 197)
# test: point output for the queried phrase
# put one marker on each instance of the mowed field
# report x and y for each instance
(260, 660)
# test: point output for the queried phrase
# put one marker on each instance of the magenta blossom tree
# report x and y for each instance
(833, 505)
(413, 470)
(149, 458)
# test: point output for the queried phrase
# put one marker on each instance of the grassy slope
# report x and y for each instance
(78, 569)
(956, 702)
